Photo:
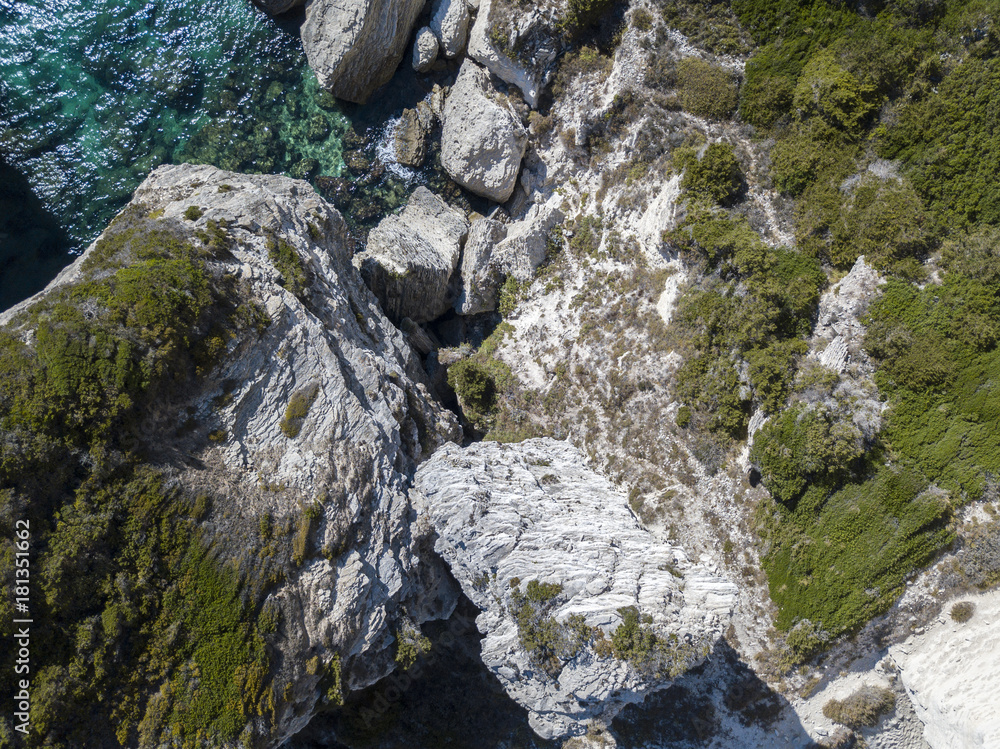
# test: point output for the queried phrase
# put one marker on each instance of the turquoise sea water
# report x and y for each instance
(94, 94)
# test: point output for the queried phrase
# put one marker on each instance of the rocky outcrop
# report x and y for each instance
(839, 319)
(480, 277)
(355, 46)
(482, 139)
(425, 50)
(554, 558)
(332, 469)
(411, 135)
(529, 32)
(450, 23)
(410, 258)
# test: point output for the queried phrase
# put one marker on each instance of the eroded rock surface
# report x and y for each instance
(360, 572)
(355, 46)
(528, 31)
(410, 258)
(450, 23)
(480, 278)
(951, 674)
(425, 50)
(511, 517)
(482, 139)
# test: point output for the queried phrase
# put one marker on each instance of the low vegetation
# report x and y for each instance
(298, 409)
(962, 611)
(130, 590)
(863, 709)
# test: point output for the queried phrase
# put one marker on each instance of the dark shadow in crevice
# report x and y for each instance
(33, 246)
(448, 698)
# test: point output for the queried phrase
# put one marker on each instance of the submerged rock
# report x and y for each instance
(411, 135)
(482, 139)
(277, 7)
(584, 611)
(411, 257)
(355, 46)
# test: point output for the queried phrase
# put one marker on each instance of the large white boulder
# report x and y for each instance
(410, 258)
(482, 139)
(355, 46)
(507, 516)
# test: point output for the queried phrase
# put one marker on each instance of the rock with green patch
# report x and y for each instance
(583, 609)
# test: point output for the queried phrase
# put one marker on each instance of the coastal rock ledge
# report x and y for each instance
(583, 610)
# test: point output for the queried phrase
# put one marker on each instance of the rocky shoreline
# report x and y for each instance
(607, 555)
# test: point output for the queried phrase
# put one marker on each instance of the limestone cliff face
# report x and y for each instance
(550, 552)
(313, 423)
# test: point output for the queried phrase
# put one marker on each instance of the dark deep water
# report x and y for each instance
(95, 94)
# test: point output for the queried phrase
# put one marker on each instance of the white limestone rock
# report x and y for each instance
(527, 76)
(482, 139)
(450, 23)
(355, 46)
(425, 50)
(480, 278)
(534, 511)
(364, 570)
(952, 673)
(411, 257)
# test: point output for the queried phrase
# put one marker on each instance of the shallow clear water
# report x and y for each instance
(95, 94)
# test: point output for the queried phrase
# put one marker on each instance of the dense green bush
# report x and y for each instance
(827, 91)
(805, 446)
(950, 140)
(475, 387)
(752, 312)
(716, 175)
(837, 560)
(882, 220)
(706, 90)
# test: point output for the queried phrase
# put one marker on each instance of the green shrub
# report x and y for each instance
(583, 13)
(298, 409)
(950, 142)
(706, 90)
(765, 98)
(864, 708)
(642, 19)
(683, 418)
(541, 592)
(475, 387)
(193, 213)
(884, 221)
(295, 275)
(962, 611)
(829, 92)
(716, 175)
(805, 446)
